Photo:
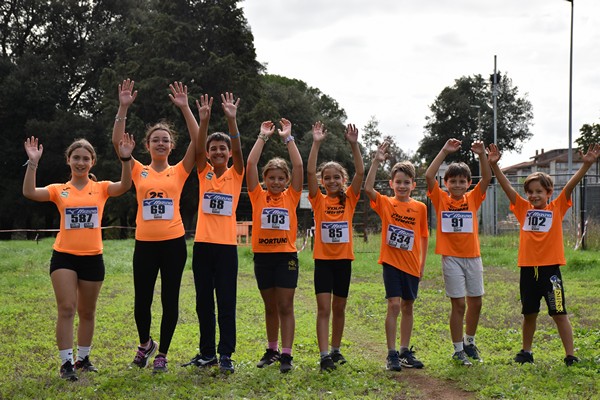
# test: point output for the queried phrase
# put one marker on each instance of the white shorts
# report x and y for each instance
(463, 276)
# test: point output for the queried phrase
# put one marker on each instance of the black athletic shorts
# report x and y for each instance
(88, 268)
(276, 270)
(333, 276)
(538, 282)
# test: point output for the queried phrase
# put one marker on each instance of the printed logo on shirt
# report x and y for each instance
(272, 241)
(209, 175)
(144, 174)
(64, 194)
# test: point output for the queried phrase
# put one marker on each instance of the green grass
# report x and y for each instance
(30, 367)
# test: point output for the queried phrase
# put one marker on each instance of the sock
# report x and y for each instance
(286, 350)
(147, 345)
(528, 351)
(335, 349)
(458, 347)
(83, 352)
(323, 354)
(468, 340)
(273, 345)
(66, 355)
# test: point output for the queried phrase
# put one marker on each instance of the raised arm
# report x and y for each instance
(380, 156)
(588, 159)
(451, 146)
(493, 158)
(34, 153)
(126, 97)
(204, 105)
(230, 109)
(126, 145)
(266, 130)
(359, 167)
(484, 166)
(318, 132)
(179, 97)
(285, 133)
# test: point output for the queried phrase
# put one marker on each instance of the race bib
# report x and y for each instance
(400, 238)
(157, 209)
(335, 232)
(538, 221)
(81, 217)
(457, 221)
(275, 218)
(217, 204)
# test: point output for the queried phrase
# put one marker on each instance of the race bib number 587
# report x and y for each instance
(81, 217)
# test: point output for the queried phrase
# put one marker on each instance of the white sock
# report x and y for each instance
(458, 347)
(469, 340)
(83, 352)
(66, 355)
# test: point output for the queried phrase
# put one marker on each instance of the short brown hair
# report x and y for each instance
(277, 163)
(218, 137)
(543, 178)
(457, 169)
(404, 166)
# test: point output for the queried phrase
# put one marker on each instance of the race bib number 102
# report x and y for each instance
(538, 221)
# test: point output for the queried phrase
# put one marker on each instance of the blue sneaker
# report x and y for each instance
(393, 362)
(408, 359)
(226, 364)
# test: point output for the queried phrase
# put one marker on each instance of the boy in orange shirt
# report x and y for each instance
(541, 249)
(403, 252)
(457, 240)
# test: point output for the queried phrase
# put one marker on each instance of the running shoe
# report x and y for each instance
(408, 359)
(337, 357)
(327, 364)
(524, 357)
(570, 360)
(226, 364)
(68, 372)
(393, 362)
(269, 358)
(160, 364)
(460, 357)
(473, 352)
(142, 355)
(85, 365)
(201, 361)
(285, 363)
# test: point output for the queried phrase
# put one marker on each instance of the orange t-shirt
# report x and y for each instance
(457, 232)
(333, 226)
(219, 198)
(541, 235)
(403, 224)
(80, 217)
(158, 195)
(274, 220)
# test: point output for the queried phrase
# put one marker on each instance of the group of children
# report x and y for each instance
(77, 268)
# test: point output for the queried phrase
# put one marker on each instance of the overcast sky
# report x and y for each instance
(391, 58)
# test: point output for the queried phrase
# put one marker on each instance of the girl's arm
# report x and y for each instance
(126, 146)
(379, 157)
(34, 152)
(204, 110)
(179, 97)
(297, 166)
(318, 132)
(359, 166)
(493, 158)
(230, 109)
(266, 130)
(126, 97)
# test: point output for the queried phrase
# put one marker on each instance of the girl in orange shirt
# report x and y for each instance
(77, 267)
(274, 229)
(333, 251)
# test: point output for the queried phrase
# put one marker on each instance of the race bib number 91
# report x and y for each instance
(275, 218)
(537, 221)
(335, 232)
(217, 203)
(81, 217)
(157, 209)
(400, 238)
(457, 221)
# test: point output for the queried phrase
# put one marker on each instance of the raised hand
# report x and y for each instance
(126, 145)
(591, 155)
(229, 105)
(351, 134)
(126, 93)
(33, 149)
(179, 94)
(319, 132)
(452, 145)
(493, 154)
(204, 105)
(286, 128)
(478, 147)
(381, 154)
(267, 128)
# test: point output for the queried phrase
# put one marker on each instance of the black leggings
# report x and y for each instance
(168, 257)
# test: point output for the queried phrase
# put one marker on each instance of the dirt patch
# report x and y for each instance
(427, 387)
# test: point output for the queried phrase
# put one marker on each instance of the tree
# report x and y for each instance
(589, 134)
(454, 114)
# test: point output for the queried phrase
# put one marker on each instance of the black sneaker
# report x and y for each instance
(393, 362)
(473, 352)
(201, 361)
(327, 364)
(570, 360)
(285, 363)
(85, 365)
(408, 359)
(160, 364)
(142, 355)
(226, 364)
(523, 357)
(337, 357)
(269, 358)
(68, 372)
(460, 357)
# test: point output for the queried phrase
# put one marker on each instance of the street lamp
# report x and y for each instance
(570, 155)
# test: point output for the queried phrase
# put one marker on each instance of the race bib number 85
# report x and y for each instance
(335, 232)
(400, 238)
(81, 217)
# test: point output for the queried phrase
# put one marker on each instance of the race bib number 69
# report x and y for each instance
(157, 209)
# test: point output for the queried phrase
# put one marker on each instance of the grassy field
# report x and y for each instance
(30, 367)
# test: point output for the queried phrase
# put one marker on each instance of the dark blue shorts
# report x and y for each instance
(399, 284)
(88, 268)
(276, 270)
(333, 276)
